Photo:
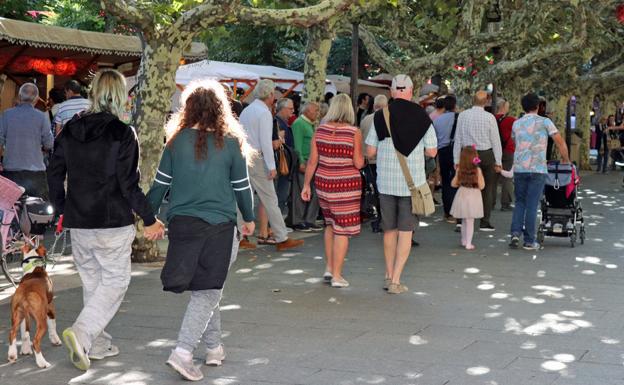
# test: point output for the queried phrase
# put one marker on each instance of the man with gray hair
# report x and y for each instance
(24, 133)
(257, 121)
(304, 213)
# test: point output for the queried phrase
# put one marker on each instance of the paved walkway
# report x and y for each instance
(492, 316)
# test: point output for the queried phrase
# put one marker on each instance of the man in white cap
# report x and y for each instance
(414, 137)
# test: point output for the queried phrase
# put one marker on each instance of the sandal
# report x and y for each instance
(266, 241)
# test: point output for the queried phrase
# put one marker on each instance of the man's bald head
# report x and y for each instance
(480, 98)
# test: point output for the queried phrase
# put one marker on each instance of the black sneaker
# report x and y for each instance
(302, 227)
(314, 227)
(515, 242)
(486, 227)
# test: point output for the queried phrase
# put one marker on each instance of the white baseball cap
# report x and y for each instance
(401, 82)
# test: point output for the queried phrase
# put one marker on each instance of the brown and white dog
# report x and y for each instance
(33, 301)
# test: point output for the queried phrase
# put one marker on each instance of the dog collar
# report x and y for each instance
(31, 261)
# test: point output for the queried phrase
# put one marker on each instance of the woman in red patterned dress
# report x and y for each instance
(337, 152)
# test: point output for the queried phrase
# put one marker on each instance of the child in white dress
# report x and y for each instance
(468, 203)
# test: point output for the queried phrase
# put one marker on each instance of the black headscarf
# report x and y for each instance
(409, 123)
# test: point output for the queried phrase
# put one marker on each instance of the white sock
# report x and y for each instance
(185, 354)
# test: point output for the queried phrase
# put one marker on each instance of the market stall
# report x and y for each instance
(49, 55)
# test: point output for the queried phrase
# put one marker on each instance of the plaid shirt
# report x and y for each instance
(390, 179)
(477, 127)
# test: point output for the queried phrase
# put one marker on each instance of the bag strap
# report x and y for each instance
(454, 127)
(498, 123)
(402, 160)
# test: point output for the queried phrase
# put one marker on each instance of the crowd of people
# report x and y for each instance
(221, 156)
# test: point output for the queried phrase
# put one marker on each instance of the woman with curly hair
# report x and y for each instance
(204, 168)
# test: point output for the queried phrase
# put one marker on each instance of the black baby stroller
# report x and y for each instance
(562, 214)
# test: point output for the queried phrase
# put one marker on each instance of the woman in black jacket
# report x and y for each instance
(99, 154)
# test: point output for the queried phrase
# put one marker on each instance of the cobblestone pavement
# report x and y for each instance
(490, 316)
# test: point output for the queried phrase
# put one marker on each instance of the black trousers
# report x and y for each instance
(447, 173)
(489, 175)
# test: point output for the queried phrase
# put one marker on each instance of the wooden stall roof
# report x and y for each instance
(20, 38)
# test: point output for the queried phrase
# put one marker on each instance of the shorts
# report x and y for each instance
(396, 213)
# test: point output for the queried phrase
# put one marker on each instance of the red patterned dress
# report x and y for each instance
(338, 183)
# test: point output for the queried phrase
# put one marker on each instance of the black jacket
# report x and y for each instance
(100, 156)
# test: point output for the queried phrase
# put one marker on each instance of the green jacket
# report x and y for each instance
(303, 132)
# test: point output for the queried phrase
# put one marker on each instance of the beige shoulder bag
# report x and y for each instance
(422, 200)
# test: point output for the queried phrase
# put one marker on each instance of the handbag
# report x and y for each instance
(282, 168)
(422, 199)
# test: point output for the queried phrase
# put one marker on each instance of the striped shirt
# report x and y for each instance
(390, 179)
(477, 127)
(69, 108)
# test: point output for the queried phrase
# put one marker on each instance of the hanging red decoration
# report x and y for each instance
(21, 64)
(26, 64)
(65, 68)
(43, 66)
(619, 13)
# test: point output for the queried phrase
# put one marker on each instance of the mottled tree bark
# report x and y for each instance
(583, 124)
(156, 86)
(317, 51)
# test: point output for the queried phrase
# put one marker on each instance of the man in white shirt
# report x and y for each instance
(477, 127)
(74, 104)
(257, 120)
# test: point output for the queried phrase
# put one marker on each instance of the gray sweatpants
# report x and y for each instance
(202, 319)
(102, 258)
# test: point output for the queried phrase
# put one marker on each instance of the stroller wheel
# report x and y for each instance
(572, 239)
(582, 236)
(540, 234)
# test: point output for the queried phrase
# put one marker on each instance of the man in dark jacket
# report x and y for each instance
(99, 155)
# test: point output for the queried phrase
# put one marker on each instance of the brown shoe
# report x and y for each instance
(289, 243)
(397, 288)
(246, 244)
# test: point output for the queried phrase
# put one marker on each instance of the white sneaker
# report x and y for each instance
(215, 357)
(340, 283)
(327, 277)
(100, 353)
(184, 367)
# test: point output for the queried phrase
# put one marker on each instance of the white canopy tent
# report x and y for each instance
(244, 75)
(213, 69)
(343, 84)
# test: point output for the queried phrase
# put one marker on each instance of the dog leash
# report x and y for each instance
(59, 233)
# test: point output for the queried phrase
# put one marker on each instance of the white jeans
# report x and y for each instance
(102, 258)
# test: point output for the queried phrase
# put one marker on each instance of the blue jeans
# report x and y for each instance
(529, 188)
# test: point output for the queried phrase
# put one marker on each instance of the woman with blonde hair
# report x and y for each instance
(204, 168)
(335, 159)
(99, 154)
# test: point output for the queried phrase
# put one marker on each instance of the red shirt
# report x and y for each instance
(504, 128)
